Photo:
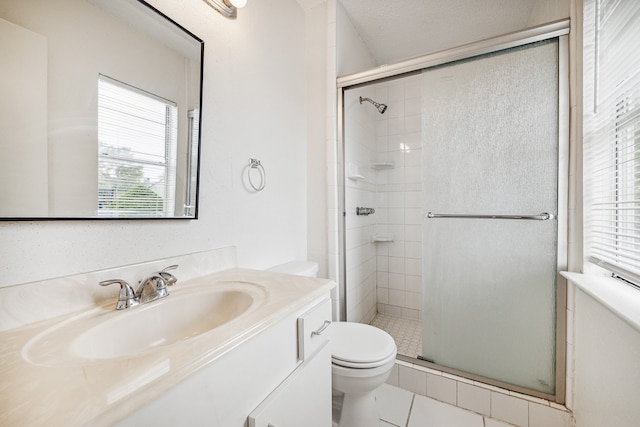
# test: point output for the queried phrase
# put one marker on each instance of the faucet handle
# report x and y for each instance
(162, 279)
(169, 278)
(127, 296)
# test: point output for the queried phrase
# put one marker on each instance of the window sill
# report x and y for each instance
(622, 299)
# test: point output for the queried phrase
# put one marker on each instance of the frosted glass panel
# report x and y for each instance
(490, 146)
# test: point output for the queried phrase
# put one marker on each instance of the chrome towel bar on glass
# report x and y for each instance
(539, 217)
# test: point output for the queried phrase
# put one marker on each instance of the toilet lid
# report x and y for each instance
(359, 345)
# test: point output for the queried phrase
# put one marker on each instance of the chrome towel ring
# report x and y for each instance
(255, 164)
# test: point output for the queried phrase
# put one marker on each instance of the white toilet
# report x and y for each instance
(362, 357)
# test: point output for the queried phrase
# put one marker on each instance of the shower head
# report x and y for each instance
(381, 107)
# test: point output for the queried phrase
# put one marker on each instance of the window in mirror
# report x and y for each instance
(137, 137)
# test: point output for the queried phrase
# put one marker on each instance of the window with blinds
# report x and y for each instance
(612, 137)
(137, 133)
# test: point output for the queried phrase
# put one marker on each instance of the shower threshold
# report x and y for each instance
(407, 334)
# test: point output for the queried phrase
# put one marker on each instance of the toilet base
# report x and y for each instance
(358, 410)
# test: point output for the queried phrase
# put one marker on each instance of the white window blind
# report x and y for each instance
(612, 136)
(137, 134)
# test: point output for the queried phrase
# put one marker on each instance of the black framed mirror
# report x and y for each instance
(99, 113)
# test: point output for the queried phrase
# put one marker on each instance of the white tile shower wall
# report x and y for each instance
(399, 198)
(360, 192)
(498, 407)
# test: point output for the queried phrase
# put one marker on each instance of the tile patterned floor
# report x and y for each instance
(401, 408)
(407, 333)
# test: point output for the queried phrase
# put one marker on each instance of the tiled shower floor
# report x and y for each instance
(407, 333)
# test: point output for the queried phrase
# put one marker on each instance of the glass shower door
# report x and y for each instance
(490, 148)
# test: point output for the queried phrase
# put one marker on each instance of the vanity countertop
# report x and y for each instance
(99, 392)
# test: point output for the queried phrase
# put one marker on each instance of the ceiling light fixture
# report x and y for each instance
(227, 8)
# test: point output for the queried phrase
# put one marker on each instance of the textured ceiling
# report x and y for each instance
(399, 29)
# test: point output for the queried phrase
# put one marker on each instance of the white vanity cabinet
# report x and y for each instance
(279, 377)
(304, 398)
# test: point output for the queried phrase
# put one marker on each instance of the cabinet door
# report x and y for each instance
(303, 399)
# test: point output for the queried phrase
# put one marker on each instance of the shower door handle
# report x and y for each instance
(544, 216)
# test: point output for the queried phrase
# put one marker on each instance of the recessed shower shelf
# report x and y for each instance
(382, 164)
(382, 237)
(353, 172)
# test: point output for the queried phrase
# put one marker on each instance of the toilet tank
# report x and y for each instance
(309, 269)
(297, 268)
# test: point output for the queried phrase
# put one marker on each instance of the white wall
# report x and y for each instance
(254, 106)
(317, 100)
(352, 54)
(606, 374)
(544, 11)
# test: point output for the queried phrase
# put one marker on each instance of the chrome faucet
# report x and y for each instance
(150, 289)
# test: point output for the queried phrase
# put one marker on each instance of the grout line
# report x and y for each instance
(413, 398)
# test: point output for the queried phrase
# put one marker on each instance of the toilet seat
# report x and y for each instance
(360, 346)
(369, 365)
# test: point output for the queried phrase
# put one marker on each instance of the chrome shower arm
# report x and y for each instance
(381, 107)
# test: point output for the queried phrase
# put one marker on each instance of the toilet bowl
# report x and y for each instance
(362, 357)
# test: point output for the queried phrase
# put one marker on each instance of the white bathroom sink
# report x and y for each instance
(184, 314)
(176, 318)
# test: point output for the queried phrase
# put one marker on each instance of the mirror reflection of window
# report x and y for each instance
(137, 137)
